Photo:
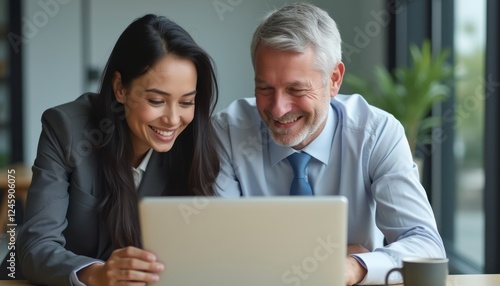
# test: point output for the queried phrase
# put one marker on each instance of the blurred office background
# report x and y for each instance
(51, 51)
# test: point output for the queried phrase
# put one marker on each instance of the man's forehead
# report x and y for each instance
(287, 83)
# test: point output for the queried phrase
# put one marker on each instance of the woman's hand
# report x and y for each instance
(125, 266)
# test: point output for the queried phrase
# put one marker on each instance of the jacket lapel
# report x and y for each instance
(155, 178)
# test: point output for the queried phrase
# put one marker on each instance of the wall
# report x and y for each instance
(54, 54)
(52, 65)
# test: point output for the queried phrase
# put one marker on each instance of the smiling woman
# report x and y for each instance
(158, 105)
(141, 135)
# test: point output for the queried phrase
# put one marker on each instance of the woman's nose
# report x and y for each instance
(170, 116)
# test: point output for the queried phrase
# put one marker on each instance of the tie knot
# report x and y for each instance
(299, 161)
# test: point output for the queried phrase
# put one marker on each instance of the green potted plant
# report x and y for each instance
(409, 93)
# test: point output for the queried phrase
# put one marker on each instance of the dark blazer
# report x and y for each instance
(61, 230)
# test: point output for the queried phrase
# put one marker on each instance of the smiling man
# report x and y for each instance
(340, 145)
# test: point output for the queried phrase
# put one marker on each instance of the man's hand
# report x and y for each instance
(125, 266)
(354, 271)
(356, 249)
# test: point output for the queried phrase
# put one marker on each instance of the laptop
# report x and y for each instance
(251, 241)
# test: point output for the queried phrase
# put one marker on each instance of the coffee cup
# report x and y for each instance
(422, 271)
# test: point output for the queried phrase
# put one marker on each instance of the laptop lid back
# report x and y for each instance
(247, 241)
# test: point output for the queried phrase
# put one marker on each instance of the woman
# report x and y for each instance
(100, 153)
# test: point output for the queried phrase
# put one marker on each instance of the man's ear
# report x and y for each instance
(118, 87)
(336, 79)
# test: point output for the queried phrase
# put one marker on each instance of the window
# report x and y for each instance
(462, 166)
(11, 100)
(4, 90)
(469, 54)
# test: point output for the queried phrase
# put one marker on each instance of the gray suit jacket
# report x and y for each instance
(61, 230)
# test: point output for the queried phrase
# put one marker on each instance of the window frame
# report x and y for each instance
(434, 20)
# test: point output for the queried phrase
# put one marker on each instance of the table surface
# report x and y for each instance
(20, 173)
(14, 182)
(453, 280)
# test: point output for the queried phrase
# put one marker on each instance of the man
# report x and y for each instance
(353, 149)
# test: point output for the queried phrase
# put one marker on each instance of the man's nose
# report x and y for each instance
(281, 104)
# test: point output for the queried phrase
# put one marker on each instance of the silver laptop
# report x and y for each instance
(253, 241)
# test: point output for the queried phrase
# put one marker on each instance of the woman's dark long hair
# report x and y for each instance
(192, 163)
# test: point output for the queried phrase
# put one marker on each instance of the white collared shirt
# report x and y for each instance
(139, 171)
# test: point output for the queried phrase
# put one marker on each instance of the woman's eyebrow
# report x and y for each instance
(161, 92)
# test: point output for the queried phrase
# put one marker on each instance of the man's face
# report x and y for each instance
(293, 96)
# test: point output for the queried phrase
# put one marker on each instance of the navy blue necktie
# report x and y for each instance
(300, 187)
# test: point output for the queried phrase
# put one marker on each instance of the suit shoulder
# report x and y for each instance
(77, 112)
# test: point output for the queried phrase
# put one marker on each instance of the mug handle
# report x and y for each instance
(400, 270)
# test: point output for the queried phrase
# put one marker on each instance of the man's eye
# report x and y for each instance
(264, 90)
(296, 92)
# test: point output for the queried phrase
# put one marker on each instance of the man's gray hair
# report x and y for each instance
(299, 26)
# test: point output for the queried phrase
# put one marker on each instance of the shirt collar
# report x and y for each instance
(316, 148)
(144, 164)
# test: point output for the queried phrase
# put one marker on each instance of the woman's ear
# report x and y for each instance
(118, 88)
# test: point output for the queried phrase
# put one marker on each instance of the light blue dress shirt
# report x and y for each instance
(362, 154)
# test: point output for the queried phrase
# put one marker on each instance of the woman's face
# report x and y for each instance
(159, 105)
